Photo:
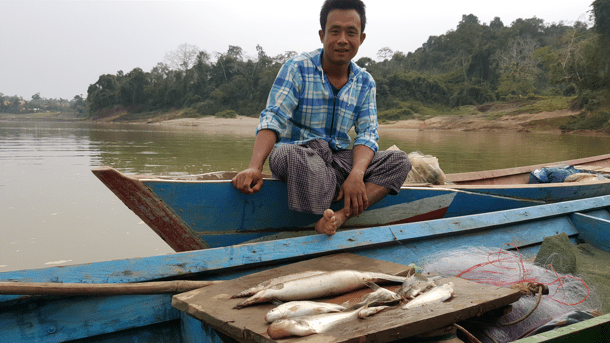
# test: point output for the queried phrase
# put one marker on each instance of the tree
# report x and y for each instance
(518, 63)
(496, 24)
(601, 13)
(183, 58)
(385, 53)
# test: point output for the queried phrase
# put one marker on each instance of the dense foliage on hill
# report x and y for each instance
(473, 64)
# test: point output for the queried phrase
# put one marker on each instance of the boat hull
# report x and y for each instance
(201, 214)
(151, 318)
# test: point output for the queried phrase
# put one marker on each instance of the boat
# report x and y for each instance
(206, 211)
(151, 317)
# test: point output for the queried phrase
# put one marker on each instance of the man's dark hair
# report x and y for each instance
(330, 5)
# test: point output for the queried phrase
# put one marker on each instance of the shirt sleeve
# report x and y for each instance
(366, 124)
(283, 100)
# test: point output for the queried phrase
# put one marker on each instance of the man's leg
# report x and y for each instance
(385, 175)
(331, 220)
(310, 180)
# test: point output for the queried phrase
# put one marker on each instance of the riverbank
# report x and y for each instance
(542, 122)
(491, 121)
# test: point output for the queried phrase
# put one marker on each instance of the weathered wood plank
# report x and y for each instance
(133, 193)
(213, 306)
(56, 320)
(593, 230)
(54, 288)
(594, 330)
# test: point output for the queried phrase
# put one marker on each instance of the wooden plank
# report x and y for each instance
(594, 330)
(471, 177)
(593, 230)
(213, 306)
(54, 288)
(144, 203)
(59, 320)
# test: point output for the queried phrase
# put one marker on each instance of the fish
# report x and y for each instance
(369, 311)
(272, 282)
(379, 296)
(309, 325)
(301, 308)
(419, 284)
(435, 295)
(409, 282)
(318, 286)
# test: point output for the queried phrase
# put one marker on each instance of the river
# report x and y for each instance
(54, 211)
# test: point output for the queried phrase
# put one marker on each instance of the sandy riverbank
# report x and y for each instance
(547, 122)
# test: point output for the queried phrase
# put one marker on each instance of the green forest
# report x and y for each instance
(472, 65)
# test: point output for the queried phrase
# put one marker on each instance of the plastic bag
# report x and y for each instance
(425, 169)
(552, 174)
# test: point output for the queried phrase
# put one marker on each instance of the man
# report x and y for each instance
(315, 100)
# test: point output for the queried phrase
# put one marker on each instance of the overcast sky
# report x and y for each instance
(58, 48)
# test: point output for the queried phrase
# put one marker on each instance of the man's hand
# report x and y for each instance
(354, 196)
(248, 181)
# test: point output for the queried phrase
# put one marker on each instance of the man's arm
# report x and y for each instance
(353, 190)
(250, 180)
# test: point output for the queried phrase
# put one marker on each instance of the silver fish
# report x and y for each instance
(272, 282)
(309, 325)
(318, 286)
(378, 297)
(421, 285)
(301, 308)
(435, 295)
(369, 311)
(410, 282)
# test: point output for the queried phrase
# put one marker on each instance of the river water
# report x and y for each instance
(54, 211)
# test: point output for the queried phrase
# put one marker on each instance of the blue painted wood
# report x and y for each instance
(225, 217)
(593, 230)
(53, 319)
(156, 267)
(552, 192)
(194, 331)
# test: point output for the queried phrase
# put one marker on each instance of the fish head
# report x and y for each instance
(273, 315)
(288, 327)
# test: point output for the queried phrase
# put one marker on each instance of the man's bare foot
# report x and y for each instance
(330, 222)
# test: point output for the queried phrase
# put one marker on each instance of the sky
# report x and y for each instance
(59, 48)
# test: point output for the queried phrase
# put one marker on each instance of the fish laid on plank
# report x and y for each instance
(378, 297)
(272, 282)
(301, 308)
(309, 325)
(369, 311)
(318, 286)
(415, 285)
(435, 295)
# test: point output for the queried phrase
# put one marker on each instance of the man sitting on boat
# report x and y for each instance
(315, 100)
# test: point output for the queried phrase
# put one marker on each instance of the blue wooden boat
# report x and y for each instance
(151, 318)
(205, 211)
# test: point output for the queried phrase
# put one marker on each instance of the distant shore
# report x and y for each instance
(542, 122)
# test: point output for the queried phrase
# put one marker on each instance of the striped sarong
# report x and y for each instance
(314, 173)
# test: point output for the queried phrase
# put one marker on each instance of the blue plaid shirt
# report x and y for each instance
(302, 107)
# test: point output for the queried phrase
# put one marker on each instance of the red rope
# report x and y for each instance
(503, 260)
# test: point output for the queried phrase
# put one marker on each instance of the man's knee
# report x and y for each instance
(279, 159)
(400, 160)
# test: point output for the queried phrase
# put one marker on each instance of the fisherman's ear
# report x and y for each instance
(362, 37)
(321, 33)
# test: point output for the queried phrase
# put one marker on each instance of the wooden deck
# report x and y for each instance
(213, 306)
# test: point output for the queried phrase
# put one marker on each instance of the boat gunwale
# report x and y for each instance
(496, 173)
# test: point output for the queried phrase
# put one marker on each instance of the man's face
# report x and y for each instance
(342, 37)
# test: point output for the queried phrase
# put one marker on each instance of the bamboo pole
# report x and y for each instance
(51, 288)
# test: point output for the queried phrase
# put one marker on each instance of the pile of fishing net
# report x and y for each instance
(567, 294)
